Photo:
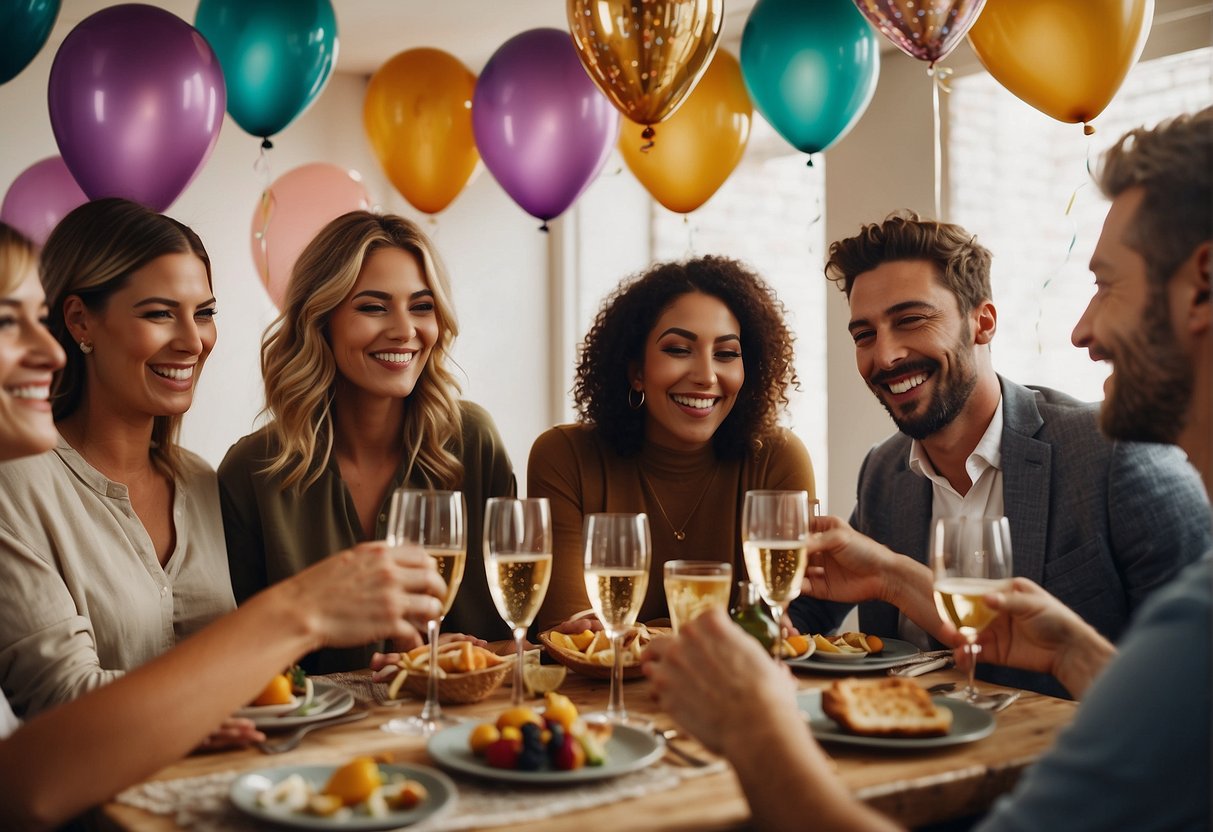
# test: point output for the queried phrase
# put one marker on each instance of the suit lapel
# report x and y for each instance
(1026, 474)
(913, 500)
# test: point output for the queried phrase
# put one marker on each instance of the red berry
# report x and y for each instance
(502, 754)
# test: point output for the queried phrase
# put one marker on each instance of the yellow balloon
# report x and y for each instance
(418, 117)
(1066, 58)
(700, 145)
(645, 55)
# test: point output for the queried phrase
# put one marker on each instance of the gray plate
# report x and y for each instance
(969, 724)
(343, 700)
(244, 791)
(629, 749)
(895, 652)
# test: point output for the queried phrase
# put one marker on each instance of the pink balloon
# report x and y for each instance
(924, 29)
(292, 211)
(39, 197)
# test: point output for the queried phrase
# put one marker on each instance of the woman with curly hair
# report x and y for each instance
(362, 403)
(679, 387)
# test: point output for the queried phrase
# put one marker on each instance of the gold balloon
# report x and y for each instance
(645, 55)
(1066, 58)
(700, 145)
(418, 117)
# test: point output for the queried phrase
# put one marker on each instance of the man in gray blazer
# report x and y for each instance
(1100, 524)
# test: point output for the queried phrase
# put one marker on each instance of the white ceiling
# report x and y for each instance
(371, 31)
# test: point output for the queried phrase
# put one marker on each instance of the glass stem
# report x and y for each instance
(519, 638)
(615, 709)
(777, 614)
(972, 649)
(432, 710)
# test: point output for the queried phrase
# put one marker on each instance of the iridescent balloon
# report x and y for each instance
(924, 29)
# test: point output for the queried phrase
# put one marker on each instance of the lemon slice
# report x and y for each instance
(539, 679)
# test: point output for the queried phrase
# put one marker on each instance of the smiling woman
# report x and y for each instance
(680, 386)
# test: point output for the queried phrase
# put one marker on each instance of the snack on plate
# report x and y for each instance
(595, 647)
(799, 647)
(525, 740)
(849, 643)
(454, 659)
(357, 788)
(888, 707)
(285, 689)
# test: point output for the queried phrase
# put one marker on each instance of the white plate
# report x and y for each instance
(257, 711)
(629, 749)
(840, 657)
(246, 788)
(895, 652)
(334, 701)
(969, 724)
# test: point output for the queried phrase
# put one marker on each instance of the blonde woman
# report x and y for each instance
(111, 547)
(78, 755)
(362, 402)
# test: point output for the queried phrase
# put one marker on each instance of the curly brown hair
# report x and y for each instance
(627, 317)
(963, 264)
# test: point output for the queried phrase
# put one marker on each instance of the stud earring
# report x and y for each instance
(86, 347)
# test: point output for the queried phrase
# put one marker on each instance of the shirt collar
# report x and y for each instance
(987, 454)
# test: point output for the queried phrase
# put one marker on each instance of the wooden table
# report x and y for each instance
(914, 788)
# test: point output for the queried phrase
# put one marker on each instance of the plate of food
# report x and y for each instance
(590, 654)
(552, 746)
(892, 713)
(852, 653)
(361, 795)
(326, 700)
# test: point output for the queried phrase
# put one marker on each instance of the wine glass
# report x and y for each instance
(434, 520)
(617, 556)
(518, 563)
(970, 558)
(775, 541)
(692, 587)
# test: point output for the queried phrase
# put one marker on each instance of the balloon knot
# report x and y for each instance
(1088, 129)
(544, 228)
(648, 133)
(809, 162)
(266, 144)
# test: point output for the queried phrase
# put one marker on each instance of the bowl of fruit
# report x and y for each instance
(466, 673)
(590, 653)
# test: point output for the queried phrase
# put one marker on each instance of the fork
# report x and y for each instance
(670, 734)
(293, 739)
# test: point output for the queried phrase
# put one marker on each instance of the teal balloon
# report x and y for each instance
(811, 68)
(24, 27)
(277, 56)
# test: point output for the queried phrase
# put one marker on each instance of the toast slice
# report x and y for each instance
(889, 707)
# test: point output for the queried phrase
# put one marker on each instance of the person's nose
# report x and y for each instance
(888, 351)
(44, 351)
(189, 337)
(403, 328)
(1082, 336)
(703, 370)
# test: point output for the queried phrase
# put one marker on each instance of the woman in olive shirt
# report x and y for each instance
(680, 385)
(357, 382)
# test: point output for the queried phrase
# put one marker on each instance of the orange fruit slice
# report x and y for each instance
(354, 781)
(277, 692)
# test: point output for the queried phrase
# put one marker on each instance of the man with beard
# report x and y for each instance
(1084, 512)
(1137, 755)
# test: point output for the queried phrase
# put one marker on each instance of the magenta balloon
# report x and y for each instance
(541, 126)
(136, 102)
(39, 197)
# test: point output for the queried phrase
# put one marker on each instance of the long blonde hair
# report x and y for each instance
(17, 256)
(92, 254)
(300, 372)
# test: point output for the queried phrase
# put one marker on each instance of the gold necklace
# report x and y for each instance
(679, 534)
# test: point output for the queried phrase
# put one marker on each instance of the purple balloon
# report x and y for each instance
(541, 126)
(39, 197)
(136, 102)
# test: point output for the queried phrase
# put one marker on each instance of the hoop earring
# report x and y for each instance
(86, 347)
(632, 402)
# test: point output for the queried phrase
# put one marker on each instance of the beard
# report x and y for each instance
(950, 396)
(1152, 382)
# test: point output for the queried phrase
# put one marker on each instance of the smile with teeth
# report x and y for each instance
(37, 392)
(402, 358)
(175, 373)
(693, 401)
(908, 383)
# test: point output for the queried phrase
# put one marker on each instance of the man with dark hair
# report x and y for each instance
(1137, 755)
(1084, 512)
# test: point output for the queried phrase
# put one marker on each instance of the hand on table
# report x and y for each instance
(233, 732)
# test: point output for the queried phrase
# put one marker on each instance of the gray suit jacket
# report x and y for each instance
(1098, 524)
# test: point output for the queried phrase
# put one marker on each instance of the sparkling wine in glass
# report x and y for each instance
(518, 563)
(970, 558)
(775, 541)
(617, 557)
(692, 587)
(433, 520)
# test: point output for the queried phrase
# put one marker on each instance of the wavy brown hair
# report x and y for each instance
(962, 263)
(300, 372)
(92, 254)
(625, 321)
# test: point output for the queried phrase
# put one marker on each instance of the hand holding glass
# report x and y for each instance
(775, 540)
(970, 558)
(518, 563)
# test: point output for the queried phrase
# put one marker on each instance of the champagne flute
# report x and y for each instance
(434, 520)
(970, 557)
(518, 563)
(617, 556)
(775, 541)
(692, 587)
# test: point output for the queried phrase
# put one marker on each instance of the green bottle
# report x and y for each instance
(751, 615)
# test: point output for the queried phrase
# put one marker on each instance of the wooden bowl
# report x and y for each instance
(577, 662)
(459, 688)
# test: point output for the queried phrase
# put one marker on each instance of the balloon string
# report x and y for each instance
(939, 76)
(265, 208)
(1068, 214)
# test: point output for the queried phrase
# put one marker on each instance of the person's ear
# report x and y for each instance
(635, 375)
(985, 322)
(75, 315)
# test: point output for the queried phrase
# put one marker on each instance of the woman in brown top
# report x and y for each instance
(679, 388)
